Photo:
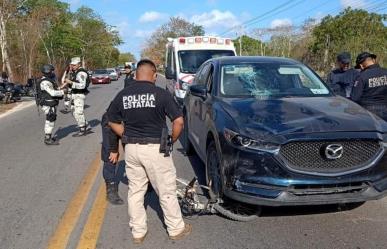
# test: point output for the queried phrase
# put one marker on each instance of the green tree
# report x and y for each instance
(126, 57)
(97, 38)
(250, 46)
(46, 31)
(351, 30)
(176, 27)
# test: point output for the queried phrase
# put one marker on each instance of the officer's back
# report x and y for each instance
(370, 90)
(143, 108)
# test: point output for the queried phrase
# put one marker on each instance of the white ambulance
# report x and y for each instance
(184, 56)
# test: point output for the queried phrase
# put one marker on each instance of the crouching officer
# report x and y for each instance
(370, 89)
(79, 83)
(109, 156)
(49, 100)
(138, 114)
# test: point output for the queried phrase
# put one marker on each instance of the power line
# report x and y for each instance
(377, 7)
(310, 10)
(257, 17)
(356, 5)
(278, 12)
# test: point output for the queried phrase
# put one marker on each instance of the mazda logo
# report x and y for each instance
(334, 151)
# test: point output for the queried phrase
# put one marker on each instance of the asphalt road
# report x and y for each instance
(48, 192)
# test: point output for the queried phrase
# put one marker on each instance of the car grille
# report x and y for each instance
(309, 157)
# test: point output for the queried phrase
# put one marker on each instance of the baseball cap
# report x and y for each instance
(344, 57)
(363, 56)
(75, 60)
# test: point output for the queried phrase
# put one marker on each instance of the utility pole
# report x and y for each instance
(326, 52)
(240, 45)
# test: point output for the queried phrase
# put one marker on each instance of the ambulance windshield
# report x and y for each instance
(191, 60)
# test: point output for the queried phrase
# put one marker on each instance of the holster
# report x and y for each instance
(166, 143)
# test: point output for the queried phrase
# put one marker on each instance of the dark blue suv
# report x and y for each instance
(271, 133)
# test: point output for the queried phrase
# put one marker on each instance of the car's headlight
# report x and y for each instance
(241, 141)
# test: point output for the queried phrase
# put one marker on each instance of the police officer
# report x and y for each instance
(79, 83)
(130, 75)
(341, 79)
(49, 100)
(109, 156)
(370, 89)
(138, 114)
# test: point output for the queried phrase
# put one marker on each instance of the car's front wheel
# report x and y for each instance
(231, 209)
(213, 174)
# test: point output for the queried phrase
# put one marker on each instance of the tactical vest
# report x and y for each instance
(74, 78)
(45, 98)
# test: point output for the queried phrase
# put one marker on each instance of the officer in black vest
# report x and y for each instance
(49, 100)
(341, 79)
(130, 76)
(79, 83)
(138, 114)
(370, 89)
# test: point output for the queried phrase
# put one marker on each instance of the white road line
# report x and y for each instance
(18, 107)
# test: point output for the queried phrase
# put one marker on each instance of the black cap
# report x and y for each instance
(363, 56)
(344, 57)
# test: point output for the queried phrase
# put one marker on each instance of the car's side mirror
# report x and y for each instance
(169, 74)
(198, 91)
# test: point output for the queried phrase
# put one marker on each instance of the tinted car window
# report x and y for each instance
(270, 80)
(210, 78)
(203, 74)
(100, 71)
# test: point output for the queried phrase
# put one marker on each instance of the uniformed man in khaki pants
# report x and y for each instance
(138, 114)
(79, 83)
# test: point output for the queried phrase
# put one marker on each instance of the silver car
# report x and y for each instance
(112, 73)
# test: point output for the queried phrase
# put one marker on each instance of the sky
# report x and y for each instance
(136, 20)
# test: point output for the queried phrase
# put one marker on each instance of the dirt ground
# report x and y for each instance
(6, 107)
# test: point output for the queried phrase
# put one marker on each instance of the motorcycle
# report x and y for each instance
(1, 94)
(28, 89)
(11, 92)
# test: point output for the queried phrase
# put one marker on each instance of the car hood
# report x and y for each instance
(301, 115)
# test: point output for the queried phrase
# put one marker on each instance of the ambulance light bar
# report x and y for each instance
(211, 40)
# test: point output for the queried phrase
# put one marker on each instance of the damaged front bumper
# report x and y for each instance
(308, 195)
(261, 179)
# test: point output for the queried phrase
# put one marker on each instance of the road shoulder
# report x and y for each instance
(8, 109)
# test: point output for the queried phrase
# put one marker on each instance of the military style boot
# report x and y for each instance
(48, 140)
(83, 131)
(112, 194)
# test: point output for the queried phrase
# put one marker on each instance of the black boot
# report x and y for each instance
(112, 194)
(83, 131)
(48, 140)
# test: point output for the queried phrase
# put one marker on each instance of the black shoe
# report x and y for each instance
(48, 140)
(112, 194)
(83, 131)
(65, 111)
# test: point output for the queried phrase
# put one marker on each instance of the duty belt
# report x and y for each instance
(140, 140)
